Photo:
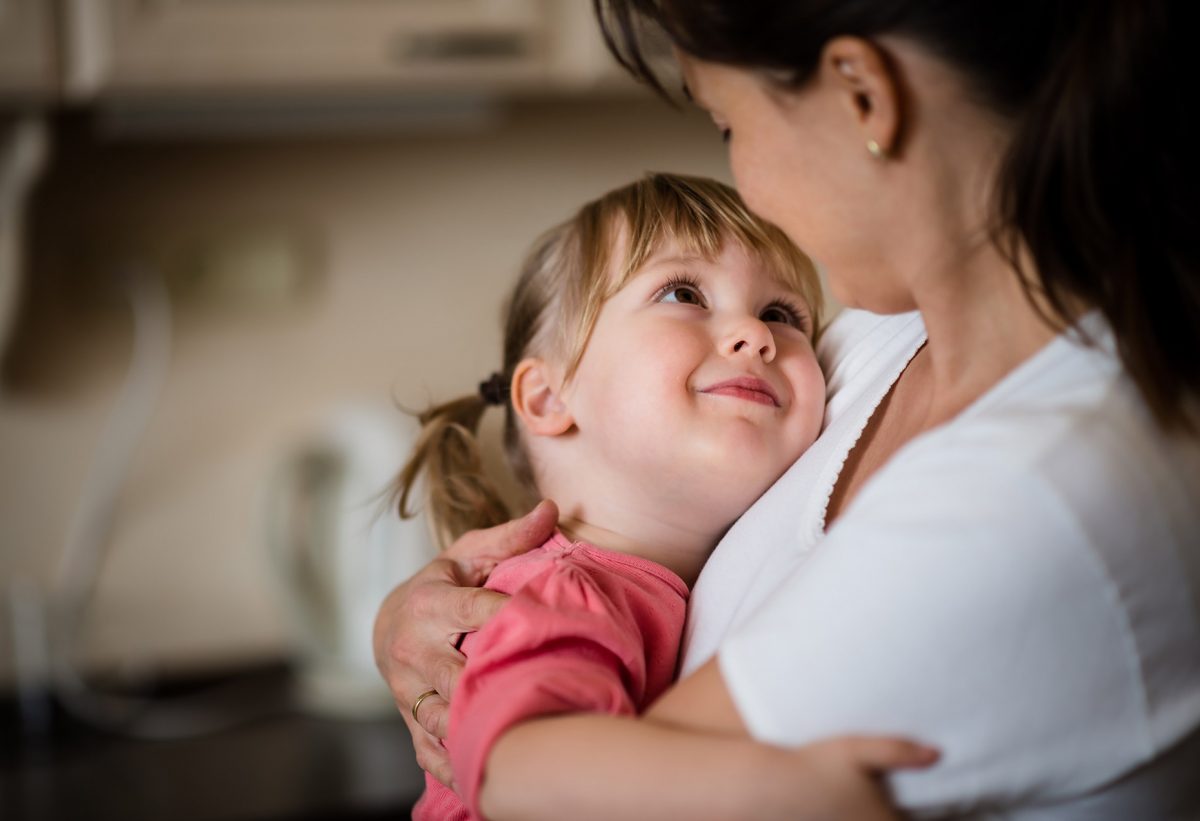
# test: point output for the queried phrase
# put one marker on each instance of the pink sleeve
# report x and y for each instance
(565, 642)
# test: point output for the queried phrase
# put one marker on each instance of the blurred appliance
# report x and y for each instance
(23, 150)
(339, 548)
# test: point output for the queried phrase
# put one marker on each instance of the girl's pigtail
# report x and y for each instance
(459, 496)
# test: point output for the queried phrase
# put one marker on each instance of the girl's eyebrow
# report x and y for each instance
(673, 259)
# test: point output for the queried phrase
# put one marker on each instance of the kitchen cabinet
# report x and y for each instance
(27, 51)
(140, 48)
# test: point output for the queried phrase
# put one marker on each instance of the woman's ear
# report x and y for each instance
(536, 398)
(867, 81)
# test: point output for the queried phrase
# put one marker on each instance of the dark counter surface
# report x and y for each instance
(276, 763)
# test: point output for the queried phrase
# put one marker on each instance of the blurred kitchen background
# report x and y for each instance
(234, 236)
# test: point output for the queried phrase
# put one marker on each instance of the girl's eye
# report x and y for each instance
(683, 293)
(726, 134)
(784, 313)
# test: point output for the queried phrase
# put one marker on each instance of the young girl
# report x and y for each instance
(658, 377)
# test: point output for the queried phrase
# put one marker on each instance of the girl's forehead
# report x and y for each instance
(672, 252)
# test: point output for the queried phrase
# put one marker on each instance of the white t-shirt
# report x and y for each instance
(1019, 587)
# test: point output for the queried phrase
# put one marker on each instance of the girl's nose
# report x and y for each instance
(751, 336)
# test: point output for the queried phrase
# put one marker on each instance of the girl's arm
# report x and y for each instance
(593, 766)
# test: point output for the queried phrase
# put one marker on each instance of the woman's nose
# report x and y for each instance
(751, 336)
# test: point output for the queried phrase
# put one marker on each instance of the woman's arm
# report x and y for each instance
(593, 766)
(962, 600)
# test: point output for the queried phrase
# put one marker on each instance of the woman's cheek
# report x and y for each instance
(744, 178)
(756, 184)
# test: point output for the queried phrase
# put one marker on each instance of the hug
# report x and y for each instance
(939, 555)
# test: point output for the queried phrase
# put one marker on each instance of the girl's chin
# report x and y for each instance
(726, 493)
(756, 455)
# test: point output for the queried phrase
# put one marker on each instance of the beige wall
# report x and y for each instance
(414, 239)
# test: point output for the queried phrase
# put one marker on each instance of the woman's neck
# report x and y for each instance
(976, 336)
(981, 325)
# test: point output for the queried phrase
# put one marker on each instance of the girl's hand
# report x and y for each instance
(841, 778)
(419, 623)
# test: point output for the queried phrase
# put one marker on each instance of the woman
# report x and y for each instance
(993, 545)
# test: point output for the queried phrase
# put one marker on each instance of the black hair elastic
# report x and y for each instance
(494, 390)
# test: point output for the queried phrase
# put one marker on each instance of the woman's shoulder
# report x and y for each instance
(1040, 584)
(1005, 579)
(1066, 441)
(1056, 496)
(1070, 423)
(1061, 454)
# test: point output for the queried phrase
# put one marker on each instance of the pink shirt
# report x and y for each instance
(586, 630)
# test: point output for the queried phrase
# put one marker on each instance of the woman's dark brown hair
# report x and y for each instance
(1098, 186)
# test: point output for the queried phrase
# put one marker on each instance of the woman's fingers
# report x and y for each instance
(402, 638)
(419, 624)
(434, 716)
(478, 551)
(430, 660)
(469, 609)
(880, 755)
(421, 617)
(432, 758)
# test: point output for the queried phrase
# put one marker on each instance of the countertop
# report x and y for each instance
(276, 762)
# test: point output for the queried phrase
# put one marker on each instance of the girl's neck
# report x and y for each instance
(683, 554)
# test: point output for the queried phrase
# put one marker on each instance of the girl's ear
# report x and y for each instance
(535, 398)
(868, 83)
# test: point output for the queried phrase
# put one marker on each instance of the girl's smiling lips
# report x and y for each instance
(745, 387)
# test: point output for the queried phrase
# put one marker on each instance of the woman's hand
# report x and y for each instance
(419, 622)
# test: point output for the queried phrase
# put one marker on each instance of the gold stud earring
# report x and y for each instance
(876, 150)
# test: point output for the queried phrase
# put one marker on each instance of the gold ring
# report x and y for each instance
(420, 698)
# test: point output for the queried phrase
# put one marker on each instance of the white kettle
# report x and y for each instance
(339, 549)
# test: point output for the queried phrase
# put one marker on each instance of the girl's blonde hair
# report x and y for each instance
(566, 279)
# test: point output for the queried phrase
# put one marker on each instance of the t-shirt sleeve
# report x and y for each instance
(562, 643)
(956, 603)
